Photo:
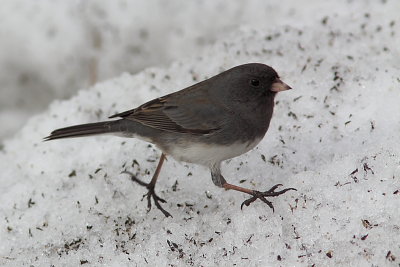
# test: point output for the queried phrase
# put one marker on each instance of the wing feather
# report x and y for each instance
(180, 112)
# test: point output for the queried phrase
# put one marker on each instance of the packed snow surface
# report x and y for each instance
(334, 137)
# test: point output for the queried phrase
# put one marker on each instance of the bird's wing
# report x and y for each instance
(188, 111)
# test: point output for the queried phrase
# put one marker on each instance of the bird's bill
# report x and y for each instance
(279, 86)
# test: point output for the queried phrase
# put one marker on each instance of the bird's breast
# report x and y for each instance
(209, 154)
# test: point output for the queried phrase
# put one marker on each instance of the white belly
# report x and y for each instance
(208, 155)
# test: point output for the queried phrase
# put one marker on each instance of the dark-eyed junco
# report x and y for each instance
(206, 123)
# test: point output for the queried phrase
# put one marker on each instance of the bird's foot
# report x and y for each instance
(151, 194)
(262, 196)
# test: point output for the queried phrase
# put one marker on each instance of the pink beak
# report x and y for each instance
(279, 86)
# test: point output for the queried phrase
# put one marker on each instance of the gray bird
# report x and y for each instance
(206, 123)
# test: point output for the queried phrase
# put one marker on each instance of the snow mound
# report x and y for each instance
(335, 138)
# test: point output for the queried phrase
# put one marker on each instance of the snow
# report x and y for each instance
(334, 137)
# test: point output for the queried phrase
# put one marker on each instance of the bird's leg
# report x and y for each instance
(220, 181)
(151, 194)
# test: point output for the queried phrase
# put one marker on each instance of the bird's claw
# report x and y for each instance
(151, 194)
(262, 196)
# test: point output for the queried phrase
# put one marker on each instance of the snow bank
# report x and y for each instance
(335, 138)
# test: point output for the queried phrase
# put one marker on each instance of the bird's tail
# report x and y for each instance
(85, 130)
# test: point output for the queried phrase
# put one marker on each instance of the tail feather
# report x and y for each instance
(84, 130)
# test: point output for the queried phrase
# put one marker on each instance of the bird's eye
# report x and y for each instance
(254, 82)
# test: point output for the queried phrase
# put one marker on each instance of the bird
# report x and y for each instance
(211, 121)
